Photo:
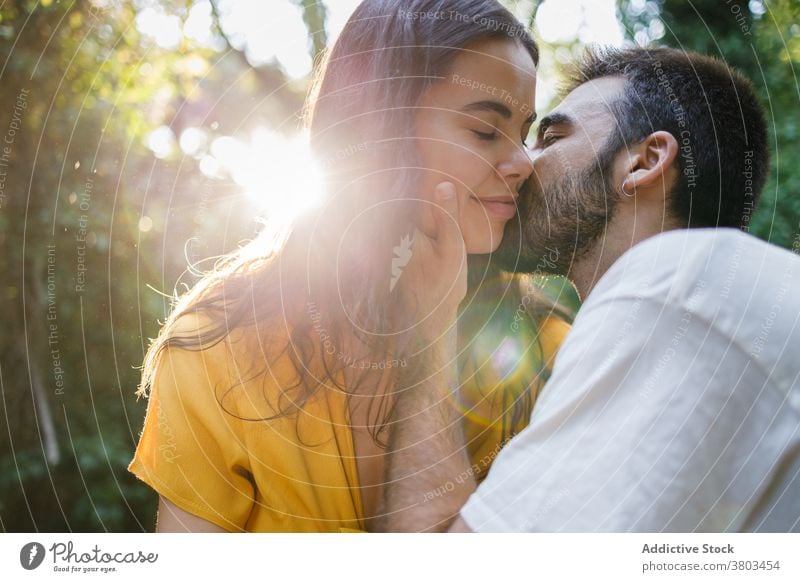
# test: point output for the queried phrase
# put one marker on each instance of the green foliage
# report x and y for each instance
(314, 14)
(91, 223)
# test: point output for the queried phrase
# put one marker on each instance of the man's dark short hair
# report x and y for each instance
(710, 109)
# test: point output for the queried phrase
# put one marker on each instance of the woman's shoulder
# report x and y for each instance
(553, 330)
(219, 338)
(245, 368)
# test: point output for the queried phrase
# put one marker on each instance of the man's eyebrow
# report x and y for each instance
(553, 119)
(494, 107)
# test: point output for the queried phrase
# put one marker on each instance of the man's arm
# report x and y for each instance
(428, 476)
(459, 526)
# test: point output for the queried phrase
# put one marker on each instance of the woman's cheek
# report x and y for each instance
(475, 230)
(481, 235)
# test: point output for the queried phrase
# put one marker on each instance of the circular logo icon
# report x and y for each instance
(31, 555)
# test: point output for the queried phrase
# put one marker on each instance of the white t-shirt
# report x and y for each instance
(674, 403)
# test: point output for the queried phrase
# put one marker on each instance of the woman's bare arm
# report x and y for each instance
(173, 519)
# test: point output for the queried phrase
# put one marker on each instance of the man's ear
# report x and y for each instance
(650, 165)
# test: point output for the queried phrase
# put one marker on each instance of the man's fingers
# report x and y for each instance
(449, 240)
(438, 267)
(448, 233)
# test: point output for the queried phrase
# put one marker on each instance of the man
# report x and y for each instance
(674, 404)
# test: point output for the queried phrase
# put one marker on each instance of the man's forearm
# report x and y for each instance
(428, 477)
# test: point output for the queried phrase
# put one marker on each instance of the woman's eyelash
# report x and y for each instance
(493, 135)
(485, 136)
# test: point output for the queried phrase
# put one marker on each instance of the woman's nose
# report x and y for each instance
(533, 153)
(518, 165)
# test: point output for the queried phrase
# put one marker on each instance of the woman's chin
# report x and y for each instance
(483, 247)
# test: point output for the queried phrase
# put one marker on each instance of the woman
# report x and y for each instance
(271, 382)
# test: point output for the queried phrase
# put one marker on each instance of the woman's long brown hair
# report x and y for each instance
(359, 114)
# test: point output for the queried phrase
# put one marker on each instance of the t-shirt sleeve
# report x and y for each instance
(191, 449)
(642, 427)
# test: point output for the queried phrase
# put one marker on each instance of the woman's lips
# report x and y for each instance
(501, 207)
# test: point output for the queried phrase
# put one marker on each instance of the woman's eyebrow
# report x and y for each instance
(494, 107)
(488, 105)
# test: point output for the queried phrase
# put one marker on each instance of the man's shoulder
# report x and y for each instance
(725, 262)
(703, 241)
(677, 248)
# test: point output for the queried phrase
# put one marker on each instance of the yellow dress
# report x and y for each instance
(502, 368)
(206, 447)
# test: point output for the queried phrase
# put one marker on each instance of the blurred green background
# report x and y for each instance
(133, 145)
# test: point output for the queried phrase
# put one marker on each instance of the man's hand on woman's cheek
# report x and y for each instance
(434, 281)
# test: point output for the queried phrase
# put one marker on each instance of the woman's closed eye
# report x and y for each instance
(492, 135)
(485, 135)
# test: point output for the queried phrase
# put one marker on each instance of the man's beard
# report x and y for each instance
(558, 223)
